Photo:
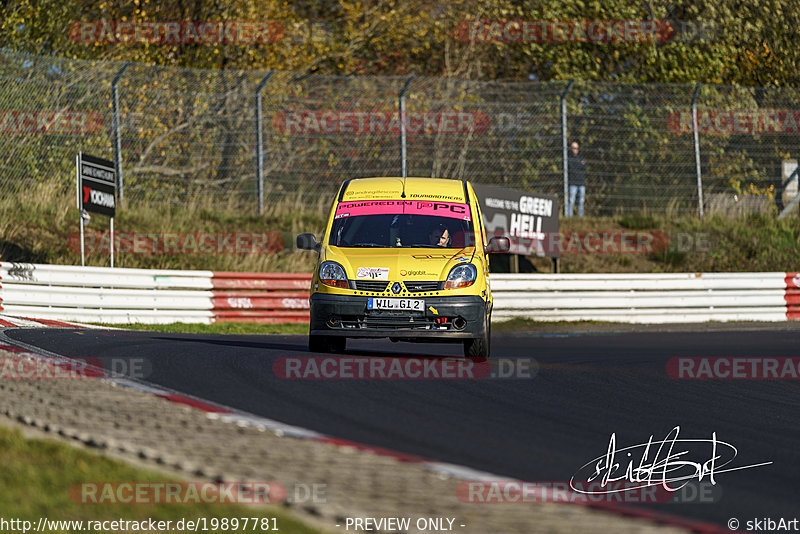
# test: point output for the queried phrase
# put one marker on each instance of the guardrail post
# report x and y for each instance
(563, 101)
(402, 118)
(260, 142)
(115, 129)
(794, 202)
(697, 148)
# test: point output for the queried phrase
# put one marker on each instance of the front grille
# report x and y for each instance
(390, 321)
(397, 323)
(371, 285)
(416, 287)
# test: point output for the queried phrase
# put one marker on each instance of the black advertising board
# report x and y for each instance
(98, 185)
(527, 219)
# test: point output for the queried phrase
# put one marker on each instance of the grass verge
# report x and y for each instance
(522, 324)
(37, 476)
(217, 328)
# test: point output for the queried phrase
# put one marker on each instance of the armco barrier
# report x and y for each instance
(117, 296)
(99, 294)
(648, 298)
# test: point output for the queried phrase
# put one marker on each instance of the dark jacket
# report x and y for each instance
(576, 169)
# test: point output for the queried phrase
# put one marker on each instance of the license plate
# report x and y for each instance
(396, 304)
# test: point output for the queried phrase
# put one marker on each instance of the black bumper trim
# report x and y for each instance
(353, 320)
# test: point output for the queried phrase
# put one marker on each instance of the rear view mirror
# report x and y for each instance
(307, 242)
(498, 245)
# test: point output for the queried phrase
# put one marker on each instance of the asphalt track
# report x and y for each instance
(543, 428)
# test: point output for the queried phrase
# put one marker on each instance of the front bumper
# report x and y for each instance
(347, 315)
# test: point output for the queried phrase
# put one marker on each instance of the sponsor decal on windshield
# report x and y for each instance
(453, 210)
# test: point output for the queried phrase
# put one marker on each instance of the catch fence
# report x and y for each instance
(253, 138)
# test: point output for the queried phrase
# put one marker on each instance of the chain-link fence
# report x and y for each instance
(251, 138)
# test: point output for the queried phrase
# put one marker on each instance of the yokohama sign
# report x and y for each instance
(98, 185)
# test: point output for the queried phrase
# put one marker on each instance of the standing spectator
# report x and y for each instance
(576, 171)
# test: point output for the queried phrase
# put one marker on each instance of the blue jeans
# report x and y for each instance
(579, 190)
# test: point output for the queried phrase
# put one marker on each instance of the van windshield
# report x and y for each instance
(402, 224)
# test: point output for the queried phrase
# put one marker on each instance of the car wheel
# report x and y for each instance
(326, 343)
(479, 347)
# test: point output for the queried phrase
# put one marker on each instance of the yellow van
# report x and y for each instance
(403, 258)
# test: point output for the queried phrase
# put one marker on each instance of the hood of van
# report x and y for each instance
(398, 263)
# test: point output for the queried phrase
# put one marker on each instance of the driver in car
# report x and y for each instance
(439, 236)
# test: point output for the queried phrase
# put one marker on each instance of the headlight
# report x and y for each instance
(332, 274)
(461, 276)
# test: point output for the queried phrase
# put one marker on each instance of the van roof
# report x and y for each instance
(391, 188)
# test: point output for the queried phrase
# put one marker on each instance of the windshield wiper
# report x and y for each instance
(368, 245)
(421, 245)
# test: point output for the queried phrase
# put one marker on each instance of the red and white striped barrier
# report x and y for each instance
(792, 296)
(120, 296)
(245, 297)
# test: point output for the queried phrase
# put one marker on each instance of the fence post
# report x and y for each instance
(563, 100)
(402, 118)
(115, 130)
(697, 148)
(260, 142)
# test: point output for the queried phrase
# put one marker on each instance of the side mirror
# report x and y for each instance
(308, 242)
(498, 245)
